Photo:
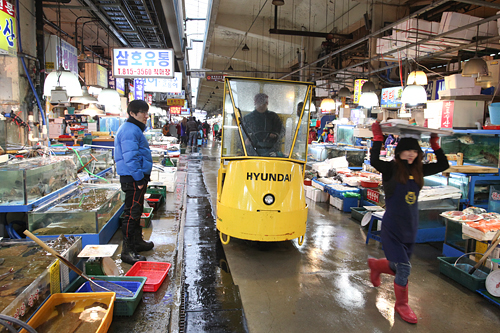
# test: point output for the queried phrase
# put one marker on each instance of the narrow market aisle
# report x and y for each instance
(158, 311)
(324, 286)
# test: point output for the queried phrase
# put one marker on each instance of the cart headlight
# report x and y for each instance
(269, 199)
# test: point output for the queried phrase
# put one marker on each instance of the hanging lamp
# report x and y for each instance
(368, 86)
(92, 111)
(417, 77)
(414, 95)
(86, 98)
(245, 48)
(368, 100)
(109, 97)
(475, 67)
(327, 104)
(62, 78)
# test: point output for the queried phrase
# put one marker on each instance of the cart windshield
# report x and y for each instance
(266, 118)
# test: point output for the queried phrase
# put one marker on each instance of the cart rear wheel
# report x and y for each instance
(228, 238)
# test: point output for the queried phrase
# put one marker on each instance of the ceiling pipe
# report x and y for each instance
(303, 33)
(388, 27)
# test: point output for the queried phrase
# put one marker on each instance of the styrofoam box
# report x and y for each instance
(319, 196)
(460, 92)
(452, 20)
(318, 186)
(457, 81)
(413, 29)
(336, 202)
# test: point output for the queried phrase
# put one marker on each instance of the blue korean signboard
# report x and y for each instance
(120, 85)
(139, 89)
(439, 86)
(391, 97)
(143, 63)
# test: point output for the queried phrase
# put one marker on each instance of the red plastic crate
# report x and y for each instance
(156, 272)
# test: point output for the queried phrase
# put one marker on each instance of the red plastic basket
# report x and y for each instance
(156, 272)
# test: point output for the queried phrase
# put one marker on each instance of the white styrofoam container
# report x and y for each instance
(319, 196)
(336, 202)
(457, 81)
(476, 90)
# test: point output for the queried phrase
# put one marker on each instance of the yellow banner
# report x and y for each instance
(357, 89)
(8, 37)
(175, 102)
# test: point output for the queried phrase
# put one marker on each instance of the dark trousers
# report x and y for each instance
(134, 205)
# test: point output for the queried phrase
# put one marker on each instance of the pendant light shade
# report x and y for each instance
(86, 98)
(368, 86)
(65, 79)
(344, 92)
(368, 100)
(92, 111)
(245, 48)
(475, 67)
(327, 104)
(414, 95)
(278, 2)
(417, 77)
(109, 97)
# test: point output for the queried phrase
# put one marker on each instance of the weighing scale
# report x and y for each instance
(99, 261)
(493, 281)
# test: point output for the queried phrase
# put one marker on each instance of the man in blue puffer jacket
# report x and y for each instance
(133, 164)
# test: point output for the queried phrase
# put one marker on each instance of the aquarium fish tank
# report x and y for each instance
(479, 149)
(355, 157)
(104, 160)
(86, 210)
(26, 181)
(345, 134)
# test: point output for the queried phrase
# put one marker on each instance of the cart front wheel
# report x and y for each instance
(228, 238)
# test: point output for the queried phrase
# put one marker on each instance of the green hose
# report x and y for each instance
(83, 165)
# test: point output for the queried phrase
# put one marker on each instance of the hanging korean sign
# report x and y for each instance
(164, 85)
(185, 111)
(357, 89)
(143, 63)
(139, 89)
(8, 42)
(59, 53)
(391, 97)
(175, 110)
(175, 102)
(120, 85)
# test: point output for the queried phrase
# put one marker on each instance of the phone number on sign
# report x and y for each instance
(143, 71)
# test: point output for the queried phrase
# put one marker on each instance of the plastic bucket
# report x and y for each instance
(494, 109)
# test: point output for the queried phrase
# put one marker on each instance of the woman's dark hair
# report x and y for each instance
(137, 106)
(403, 169)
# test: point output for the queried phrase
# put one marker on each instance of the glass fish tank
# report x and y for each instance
(104, 160)
(345, 135)
(86, 210)
(26, 181)
(355, 157)
(479, 149)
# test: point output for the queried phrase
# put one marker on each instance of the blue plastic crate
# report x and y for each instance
(133, 286)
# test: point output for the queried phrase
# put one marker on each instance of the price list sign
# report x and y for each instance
(143, 63)
(373, 195)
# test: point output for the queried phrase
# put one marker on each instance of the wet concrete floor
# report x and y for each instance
(321, 286)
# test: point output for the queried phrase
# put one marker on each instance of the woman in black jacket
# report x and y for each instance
(402, 179)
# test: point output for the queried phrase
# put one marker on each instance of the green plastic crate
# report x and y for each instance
(157, 189)
(124, 306)
(145, 222)
(357, 213)
(471, 282)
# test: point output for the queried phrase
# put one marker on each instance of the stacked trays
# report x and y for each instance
(156, 272)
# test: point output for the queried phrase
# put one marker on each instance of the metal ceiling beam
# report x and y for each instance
(67, 7)
(373, 34)
(103, 18)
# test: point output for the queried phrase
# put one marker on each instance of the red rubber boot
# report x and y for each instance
(401, 306)
(378, 266)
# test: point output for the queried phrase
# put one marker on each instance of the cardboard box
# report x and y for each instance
(457, 81)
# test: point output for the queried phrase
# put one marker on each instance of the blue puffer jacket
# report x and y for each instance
(132, 154)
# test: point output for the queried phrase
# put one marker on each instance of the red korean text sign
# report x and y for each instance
(447, 114)
(373, 196)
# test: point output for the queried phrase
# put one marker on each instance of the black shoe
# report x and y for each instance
(129, 253)
(142, 245)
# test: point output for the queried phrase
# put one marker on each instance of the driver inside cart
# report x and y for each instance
(262, 129)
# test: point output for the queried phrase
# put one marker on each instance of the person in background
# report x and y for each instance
(133, 164)
(192, 129)
(313, 135)
(166, 129)
(216, 130)
(402, 179)
(178, 129)
(331, 135)
(391, 140)
(184, 134)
